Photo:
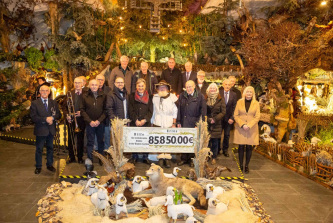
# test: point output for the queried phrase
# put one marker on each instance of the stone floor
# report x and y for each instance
(287, 196)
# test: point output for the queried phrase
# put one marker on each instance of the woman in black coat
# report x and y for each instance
(140, 111)
(215, 112)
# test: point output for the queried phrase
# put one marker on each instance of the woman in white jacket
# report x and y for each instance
(165, 110)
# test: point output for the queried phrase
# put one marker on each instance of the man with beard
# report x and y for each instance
(117, 101)
(165, 110)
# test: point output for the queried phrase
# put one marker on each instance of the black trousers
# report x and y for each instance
(79, 139)
(226, 127)
(241, 150)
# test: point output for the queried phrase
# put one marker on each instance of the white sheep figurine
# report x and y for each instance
(174, 174)
(174, 210)
(160, 200)
(191, 220)
(100, 199)
(139, 184)
(92, 186)
(121, 205)
(215, 207)
(212, 191)
(267, 129)
(315, 141)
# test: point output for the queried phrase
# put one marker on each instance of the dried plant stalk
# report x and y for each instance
(201, 143)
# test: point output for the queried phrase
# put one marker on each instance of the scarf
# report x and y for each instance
(143, 99)
(212, 98)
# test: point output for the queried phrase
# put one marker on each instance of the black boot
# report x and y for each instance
(241, 168)
(247, 169)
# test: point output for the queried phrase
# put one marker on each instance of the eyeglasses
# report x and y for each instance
(119, 82)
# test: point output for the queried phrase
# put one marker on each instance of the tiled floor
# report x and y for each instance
(287, 196)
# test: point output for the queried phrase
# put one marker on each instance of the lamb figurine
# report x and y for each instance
(215, 207)
(174, 174)
(100, 199)
(212, 191)
(121, 205)
(267, 129)
(175, 210)
(139, 184)
(160, 200)
(191, 220)
(91, 185)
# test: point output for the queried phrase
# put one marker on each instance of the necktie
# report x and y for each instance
(187, 76)
(45, 104)
(226, 97)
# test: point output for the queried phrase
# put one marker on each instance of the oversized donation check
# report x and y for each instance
(161, 140)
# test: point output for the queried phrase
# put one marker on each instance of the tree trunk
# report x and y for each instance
(152, 54)
(53, 11)
(65, 77)
(4, 34)
(118, 51)
(108, 54)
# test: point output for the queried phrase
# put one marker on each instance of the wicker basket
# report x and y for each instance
(265, 117)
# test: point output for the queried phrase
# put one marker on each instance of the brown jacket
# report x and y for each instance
(117, 72)
(251, 119)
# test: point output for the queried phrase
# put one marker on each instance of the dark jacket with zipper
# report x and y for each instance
(190, 109)
(115, 105)
(92, 108)
(139, 110)
(174, 78)
(150, 79)
(216, 113)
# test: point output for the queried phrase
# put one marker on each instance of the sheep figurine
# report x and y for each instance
(212, 191)
(215, 207)
(266, 129)
(173, 174)
(160, 200)
(139, 184)
(191, 220)
(315, 141)
(92, 186)
(175, 210)
(100, 199)
(121, 205)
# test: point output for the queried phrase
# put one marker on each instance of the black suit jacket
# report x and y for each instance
(39, 114)
(193, 77)
(230, 106)
(174, 78)
(203, 88)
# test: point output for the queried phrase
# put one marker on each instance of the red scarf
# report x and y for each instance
(143, 99)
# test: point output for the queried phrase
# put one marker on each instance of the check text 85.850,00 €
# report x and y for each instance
(145, 139)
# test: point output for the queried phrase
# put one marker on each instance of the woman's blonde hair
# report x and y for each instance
(253, 92)
(140, 80)
(212, 85)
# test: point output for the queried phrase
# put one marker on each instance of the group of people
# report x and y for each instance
(178, 100)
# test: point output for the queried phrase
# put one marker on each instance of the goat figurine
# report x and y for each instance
(212, 191)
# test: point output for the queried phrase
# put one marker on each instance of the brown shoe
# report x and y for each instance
(213, 161)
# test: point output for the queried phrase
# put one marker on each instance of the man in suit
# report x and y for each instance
(173, 76)
(188, 74)
(106, 89)
(44, 112)
(93, 112)
(201, 84)
(191, 106)
(123, 71)
(77, 99)
(233, 88)
(230, 99)
(148, 76)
